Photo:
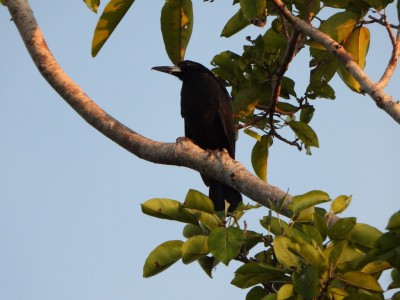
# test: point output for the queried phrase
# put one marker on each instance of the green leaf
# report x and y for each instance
(113, 13)
(357, 45)
(394, 221)
(191, 230)
(273, 224)
(341, 229)
(207, 263)
(285, 292)
(194, 248)
(336, 3)
(305, 133)
(198, 201)
(253, 8)
(361, 280)
(365, 235)
(311, 255)
(321, 224)
(259, 157)
(376, 266)
(337, 252)
(307, 200)
(176, 27)
(378, 4)
(306, 282)
(168, 209)
(286, 258)
(338, 27)
(256, 293)
(162, 257)
(225, 243)
(3, 2)
(253, 273)
(209, 220)
(340, 203)
(306, 114)
(235, 24)
(92, 4)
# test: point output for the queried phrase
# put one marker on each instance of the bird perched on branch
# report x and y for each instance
(206, 109)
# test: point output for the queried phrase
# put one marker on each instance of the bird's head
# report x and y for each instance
(184, 69)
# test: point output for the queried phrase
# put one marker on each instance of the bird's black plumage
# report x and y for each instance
(206, 109)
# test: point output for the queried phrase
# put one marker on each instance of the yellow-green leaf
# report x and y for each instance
(162, 257)
(198, 201)
(361, 280)
(194, 248)
(168, 209)
(338, 27)
(235, 24)
(225, 243)
(92, 4)
(253, 8)
(113, 13)
(176, 27)
(307, 200)
(4, 2)
(285, 292)
(394, 221)
(357, 45)
(286, 258)
(340, 203)
(305, 133)
(365, 235)
(259, 157)
(341, 229)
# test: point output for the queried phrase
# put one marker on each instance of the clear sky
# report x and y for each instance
(70, 220)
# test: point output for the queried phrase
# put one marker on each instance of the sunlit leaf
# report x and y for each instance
(168, 209)
(285, 257)
(113, 13)
(338, 27)
(92, 4)
(376, 266)
(285, 292)
(394, 221)
(176, 27)
(197, 200)
(235, 24)
(259, 157)
(361, 280)
(311, 255)
(225, 243)
(194, 248)
(308, 199)
(305, 133)
(365, 235)
(357, 45)
(340, 203)
(162, 257)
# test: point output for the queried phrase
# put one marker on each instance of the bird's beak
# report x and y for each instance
(174, 70)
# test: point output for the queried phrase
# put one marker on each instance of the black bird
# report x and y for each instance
(206, 109)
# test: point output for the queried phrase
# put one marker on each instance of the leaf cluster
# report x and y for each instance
(307, 257)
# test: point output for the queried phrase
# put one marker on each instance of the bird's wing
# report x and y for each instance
(226, 118)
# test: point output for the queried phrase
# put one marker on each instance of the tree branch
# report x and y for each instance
(218, 165)
(375, 91)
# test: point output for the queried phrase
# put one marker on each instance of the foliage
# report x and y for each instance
(265, 100)
(308, 256)
(313, 254)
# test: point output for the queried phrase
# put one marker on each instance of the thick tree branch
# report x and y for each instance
(375, 91)
(183, 153)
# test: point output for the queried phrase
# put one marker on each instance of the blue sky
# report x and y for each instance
(70, 220)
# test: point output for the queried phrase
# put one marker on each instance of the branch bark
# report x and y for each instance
(375, 91)
(182, 153)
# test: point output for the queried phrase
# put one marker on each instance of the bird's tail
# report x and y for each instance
(220, 192)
